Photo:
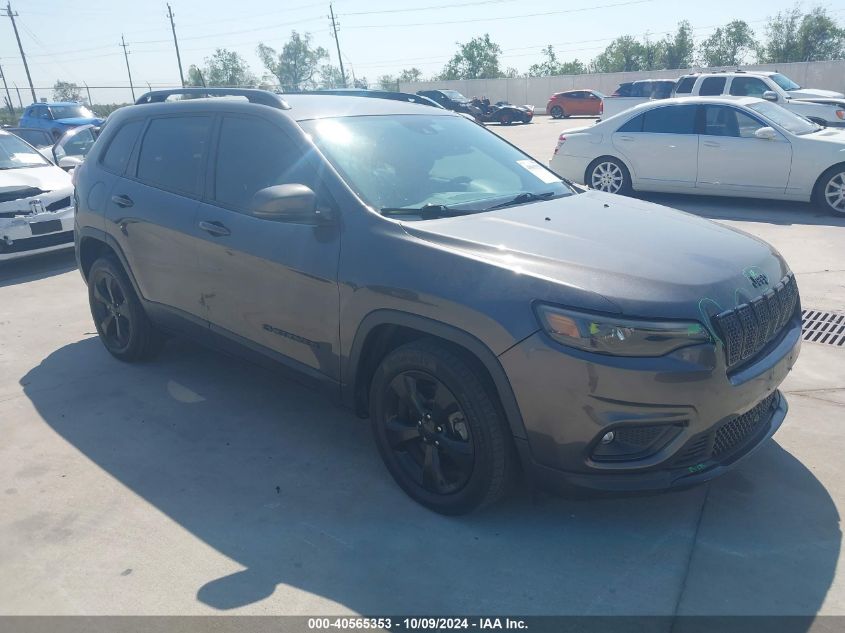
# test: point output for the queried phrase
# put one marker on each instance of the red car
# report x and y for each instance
(575, 103)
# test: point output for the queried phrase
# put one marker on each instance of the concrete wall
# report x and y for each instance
(537, 90)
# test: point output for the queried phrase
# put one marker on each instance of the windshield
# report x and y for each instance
(454, 95)
(412, 161)
(15, 154)
(785, 82)
(71, 112)
(789, 121)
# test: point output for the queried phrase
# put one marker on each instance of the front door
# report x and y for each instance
(731, 157)
(272, 283)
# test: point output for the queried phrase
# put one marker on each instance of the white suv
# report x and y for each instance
(824, 107)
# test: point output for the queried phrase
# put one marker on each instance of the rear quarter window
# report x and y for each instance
(119, 149)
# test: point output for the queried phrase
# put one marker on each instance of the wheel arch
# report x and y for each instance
(92, 244)
(382, 331)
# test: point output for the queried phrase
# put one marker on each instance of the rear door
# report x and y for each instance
(661, 146)
(154, 208)
(273, 283)
(730, 157)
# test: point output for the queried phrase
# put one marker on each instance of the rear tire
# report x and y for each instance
(829, 193)
(124, 328)
(439, 430)
(610, 175)
(557, 112)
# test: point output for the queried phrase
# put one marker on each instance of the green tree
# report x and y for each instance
(223, 68)
(678, 50)
(624, 54)
(66, 91)
(297, 65)
(729, 45)
(410, 75)
(551, 65)
(330, 77)
(792, 36)
(476, 59)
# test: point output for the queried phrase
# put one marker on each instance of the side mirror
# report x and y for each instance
(766, 133)
(287, 203)
(69, 162)
(770, 95)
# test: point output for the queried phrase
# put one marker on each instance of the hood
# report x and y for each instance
(47, 178)
(646, 259)
(79, 120)
(809, 93)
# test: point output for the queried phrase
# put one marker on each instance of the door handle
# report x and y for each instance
(626, 138)
(711, 144)
(214, 228)
(123, 201)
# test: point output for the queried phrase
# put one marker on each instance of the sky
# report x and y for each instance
(78, 40)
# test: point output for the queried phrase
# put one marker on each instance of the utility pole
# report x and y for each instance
(128, 72)
(337, 41)
(8, 94)
(88, 90)
(12, 17)
(176, 44)
(18, 90)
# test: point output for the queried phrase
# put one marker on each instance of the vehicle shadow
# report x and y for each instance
(35, 267)
(746, 209)
(290, 487)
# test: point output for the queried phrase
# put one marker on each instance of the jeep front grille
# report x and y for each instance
(748, 328)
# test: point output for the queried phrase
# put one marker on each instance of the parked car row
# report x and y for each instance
(481, 110)
(824, 107)
(724, 146)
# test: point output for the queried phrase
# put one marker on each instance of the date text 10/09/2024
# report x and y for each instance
(416, 624)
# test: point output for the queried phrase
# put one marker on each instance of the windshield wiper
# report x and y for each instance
(522, 198)
(426, 212)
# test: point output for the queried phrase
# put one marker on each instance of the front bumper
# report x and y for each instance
(22, 235)
(570, 399)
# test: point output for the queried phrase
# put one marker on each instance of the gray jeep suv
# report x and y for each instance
(490, 319)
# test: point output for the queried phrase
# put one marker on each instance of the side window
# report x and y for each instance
(726, 121)
(748, 87)
(120, 147)
(685, 85)
(670, 120)
(712, 86)
(577, 95)
(80, 144)
(273, 160)
(173, 153)
(634, 125)
(747, 125)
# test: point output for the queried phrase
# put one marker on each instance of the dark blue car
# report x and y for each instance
(58, 117)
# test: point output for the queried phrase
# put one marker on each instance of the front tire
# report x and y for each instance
(439, 430)
(123, 326)
(557, 112)
(609, 175)
(830, 190)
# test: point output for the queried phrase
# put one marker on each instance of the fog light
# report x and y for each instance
(608, 438)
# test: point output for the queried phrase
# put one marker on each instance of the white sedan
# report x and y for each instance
(709, 145)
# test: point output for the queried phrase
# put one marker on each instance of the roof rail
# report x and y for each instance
(253, 95)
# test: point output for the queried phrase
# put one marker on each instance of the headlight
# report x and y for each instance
(617, 336)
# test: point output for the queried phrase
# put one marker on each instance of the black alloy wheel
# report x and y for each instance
(439, 428)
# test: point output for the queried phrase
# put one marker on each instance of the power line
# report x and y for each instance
(176, 44)
(430, 7)
(12, 17)
(506, 17)
(337, 41)
(128, 72)
(8, 94)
